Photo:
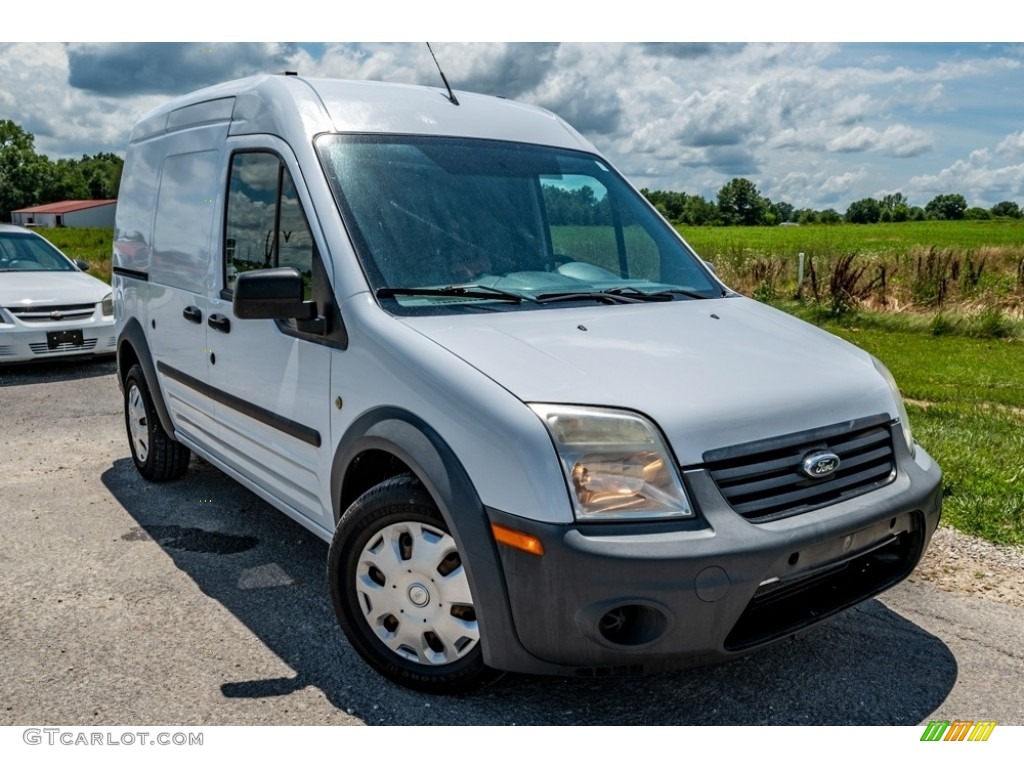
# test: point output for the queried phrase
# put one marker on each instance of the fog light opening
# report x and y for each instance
(794, 558)
(632, 625)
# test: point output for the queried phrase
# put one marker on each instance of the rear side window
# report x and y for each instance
(265, 225)
(184, 215)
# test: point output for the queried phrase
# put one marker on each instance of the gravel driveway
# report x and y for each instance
(194, 603)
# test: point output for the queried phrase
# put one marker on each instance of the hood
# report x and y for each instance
(710, 373)
(40, 287)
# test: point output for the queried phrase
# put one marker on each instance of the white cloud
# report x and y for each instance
(1012, 144)
(799, 119)
(896, 141)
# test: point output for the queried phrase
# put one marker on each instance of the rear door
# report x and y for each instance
(180, 273)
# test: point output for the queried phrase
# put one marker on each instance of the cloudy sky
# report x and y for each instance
(816, 125)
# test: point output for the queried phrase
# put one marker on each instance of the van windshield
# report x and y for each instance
(440, 221)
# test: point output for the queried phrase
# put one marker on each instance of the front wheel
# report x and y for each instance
(401, 593)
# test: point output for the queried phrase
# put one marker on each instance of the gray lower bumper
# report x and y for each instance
(635, 598)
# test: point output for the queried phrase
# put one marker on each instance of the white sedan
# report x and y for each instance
(49, 307)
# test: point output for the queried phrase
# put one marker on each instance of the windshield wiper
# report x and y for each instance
(662, 295)
(602, 296)
(624, 295)
(461, 291)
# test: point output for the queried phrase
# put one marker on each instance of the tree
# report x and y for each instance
(950, 207)
(739, 202)
(894, 201)
(1007, 208)
(977, 214)
(829, 216)
(102, 174)
(699, 212)
(20, 170)
(28, 178)
(783, 212)
(866, 211)
(900, 213)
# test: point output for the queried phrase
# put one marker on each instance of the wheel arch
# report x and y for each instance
(402, 439)
(132, 348)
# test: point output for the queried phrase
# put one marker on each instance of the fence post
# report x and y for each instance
(800, 276)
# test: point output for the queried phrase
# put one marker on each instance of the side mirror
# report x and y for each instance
(711, 266)
(272, 294)
(82, 265)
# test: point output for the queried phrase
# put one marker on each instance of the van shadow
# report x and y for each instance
(869, 666)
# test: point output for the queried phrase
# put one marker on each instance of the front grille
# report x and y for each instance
(6, 351)
(763, 481)
(42, 348)
(43, 313)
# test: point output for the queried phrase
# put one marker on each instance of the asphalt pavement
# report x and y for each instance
(194, 602)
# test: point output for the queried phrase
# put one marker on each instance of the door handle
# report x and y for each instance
(192, 314)
(219, 323)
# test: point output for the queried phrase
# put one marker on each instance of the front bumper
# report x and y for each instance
(23, 342)
(609, 599)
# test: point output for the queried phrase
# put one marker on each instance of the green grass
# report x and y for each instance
(967, 410)
(928, 264)
(889, 240)
(94, 245)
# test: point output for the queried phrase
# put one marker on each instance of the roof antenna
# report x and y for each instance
(451, 94)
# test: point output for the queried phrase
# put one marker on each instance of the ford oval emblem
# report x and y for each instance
(820, 464)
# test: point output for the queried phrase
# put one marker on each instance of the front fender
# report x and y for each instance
(410, 439)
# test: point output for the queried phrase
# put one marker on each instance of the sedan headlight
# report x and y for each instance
(108, 305)
(615, 463)
(901, 409)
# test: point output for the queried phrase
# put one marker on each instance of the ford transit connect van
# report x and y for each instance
(540, 435)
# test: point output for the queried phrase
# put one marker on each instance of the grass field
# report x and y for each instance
(959, 265)
(94, 245)
(960, 362)
(966, 403)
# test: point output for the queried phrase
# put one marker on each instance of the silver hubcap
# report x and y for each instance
(138, 424)
(414, 594)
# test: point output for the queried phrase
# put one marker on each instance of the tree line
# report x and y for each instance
(28, 178)
(739, 203)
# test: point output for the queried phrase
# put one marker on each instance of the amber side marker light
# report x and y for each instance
(517, 540)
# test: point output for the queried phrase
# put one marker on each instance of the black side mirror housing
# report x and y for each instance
(272, 294)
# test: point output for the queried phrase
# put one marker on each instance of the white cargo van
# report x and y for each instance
(446, 336)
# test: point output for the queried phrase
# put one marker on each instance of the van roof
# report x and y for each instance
(297, 107)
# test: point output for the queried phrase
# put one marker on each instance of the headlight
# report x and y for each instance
(901, 409)
(615, 463)
(108, 305)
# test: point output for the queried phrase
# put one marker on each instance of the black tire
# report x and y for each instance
(394, 536)
(157, 456)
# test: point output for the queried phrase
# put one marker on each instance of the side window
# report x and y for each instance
(265, 226)
(585, 226)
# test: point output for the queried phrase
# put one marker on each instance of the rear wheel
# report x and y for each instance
(401, 592)
(157, 456)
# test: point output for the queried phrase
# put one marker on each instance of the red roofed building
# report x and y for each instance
(70, 213)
